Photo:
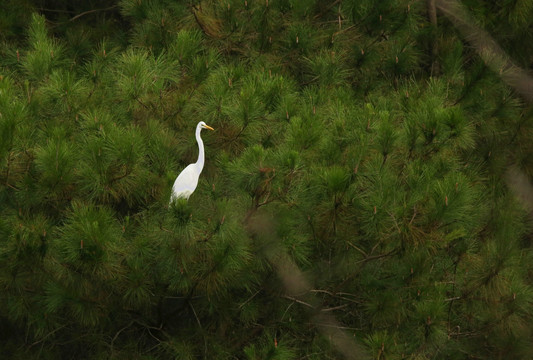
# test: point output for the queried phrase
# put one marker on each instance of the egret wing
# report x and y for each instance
(185, 183)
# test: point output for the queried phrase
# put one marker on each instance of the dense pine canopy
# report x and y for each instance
(364, 196)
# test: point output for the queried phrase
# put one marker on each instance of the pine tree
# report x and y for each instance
(355, 201)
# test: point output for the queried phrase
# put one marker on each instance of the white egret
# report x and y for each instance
(187, 180)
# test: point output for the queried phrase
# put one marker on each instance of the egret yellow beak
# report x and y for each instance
(208, 127)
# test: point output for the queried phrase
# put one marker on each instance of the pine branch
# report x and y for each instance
(297, 301)
(92, 11)
(318, 16)
(375, 257)
(432, 12)
(299, 287)
(56, 11)
(48, 335)
(491, 53)
(116, 336)
(117, 178)
(8, 168)
(249, 299)
(456, 263)
(140, 102)
(521, 186)
(201, 328)
(432, 15)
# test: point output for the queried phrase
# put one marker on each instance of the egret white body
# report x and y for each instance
(187, 180)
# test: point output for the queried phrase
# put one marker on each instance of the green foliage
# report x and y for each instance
(358, 148)
(45, 53)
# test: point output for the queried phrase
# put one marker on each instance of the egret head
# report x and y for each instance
(203, 125)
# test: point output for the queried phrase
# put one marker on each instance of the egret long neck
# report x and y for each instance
(201, 155)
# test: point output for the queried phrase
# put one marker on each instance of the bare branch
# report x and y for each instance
(298, 301)
(491, 53)
(92, 11)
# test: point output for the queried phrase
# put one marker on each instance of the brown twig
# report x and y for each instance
(92, 11)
